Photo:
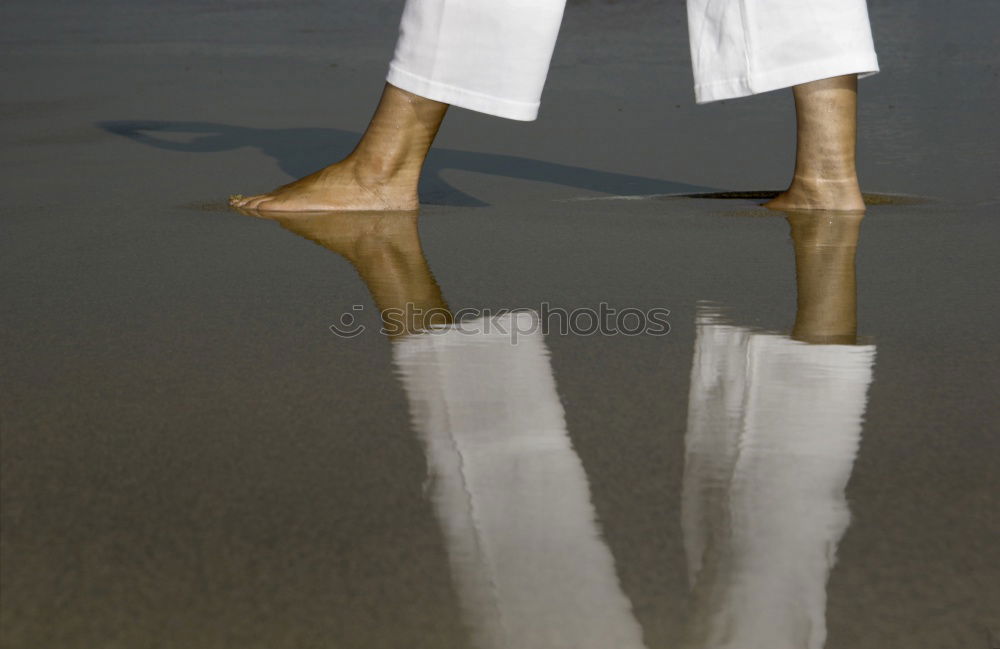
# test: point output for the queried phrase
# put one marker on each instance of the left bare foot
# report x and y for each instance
(380, 175)
(344, 186)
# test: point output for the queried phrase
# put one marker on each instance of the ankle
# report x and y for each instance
(843, 179)
(397, 140)
(384, 167)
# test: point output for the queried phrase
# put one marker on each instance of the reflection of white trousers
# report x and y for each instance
(493, 56)
(510, 492)
(773, 430)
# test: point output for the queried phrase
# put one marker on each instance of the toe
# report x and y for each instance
(254, 201)
(266, 204)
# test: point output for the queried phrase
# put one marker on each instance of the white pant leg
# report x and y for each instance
(490, 56)
(744, 47)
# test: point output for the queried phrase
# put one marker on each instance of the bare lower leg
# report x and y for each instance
(825, 174)
(380, 174)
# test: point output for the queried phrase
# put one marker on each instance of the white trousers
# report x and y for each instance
(492, 56)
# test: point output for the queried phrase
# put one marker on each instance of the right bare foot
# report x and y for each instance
(820, 194)
(825, 176)
(381, 174)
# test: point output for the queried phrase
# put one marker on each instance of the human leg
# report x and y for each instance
(825, 175)
(818, 47)
(490, 57)
(380, 174)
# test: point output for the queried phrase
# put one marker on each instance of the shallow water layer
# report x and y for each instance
(616, 403)
(194, 457)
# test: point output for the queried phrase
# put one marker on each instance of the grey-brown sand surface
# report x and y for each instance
(193, 459)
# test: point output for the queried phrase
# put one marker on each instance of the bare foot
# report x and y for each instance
(340, 187)
(381, 174)
(825, 177)
(820, 194)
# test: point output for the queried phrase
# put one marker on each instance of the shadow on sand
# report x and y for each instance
(300, 151)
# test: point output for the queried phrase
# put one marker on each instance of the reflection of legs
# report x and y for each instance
(825, 247)
(773, 430)
(511, 494)
(380, 174)
(825, 174)
(384, 247)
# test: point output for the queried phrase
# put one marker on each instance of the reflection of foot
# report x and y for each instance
(825, 247)
(820, 194)
(814, 229)
(356, 235)
(343, 186)
(384, 247)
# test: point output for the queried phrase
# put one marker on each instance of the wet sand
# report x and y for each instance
(191, 458)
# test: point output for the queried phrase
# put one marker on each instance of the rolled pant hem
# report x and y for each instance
(863, 65)
(477, 101)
